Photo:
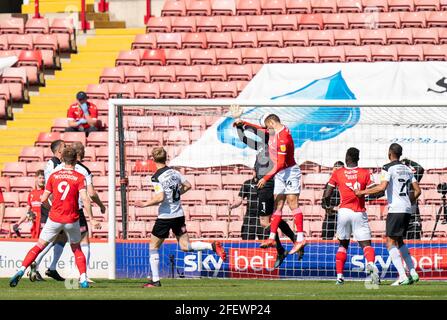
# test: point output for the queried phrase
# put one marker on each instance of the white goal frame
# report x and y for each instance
(113, 104)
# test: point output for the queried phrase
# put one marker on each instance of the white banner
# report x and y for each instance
(7, 62)
(12, 253)
(323, 134)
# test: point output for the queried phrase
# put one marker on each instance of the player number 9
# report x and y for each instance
(63, 188)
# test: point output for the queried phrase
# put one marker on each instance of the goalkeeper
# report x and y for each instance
(266, 199)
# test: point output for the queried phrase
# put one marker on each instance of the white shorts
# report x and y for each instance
(350, 222)
(51, 230)
(288, 181)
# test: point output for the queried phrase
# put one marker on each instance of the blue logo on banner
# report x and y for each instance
(308, 123)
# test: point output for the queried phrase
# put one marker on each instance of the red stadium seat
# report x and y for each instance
(44, 139)
(193, 228)
(235, 229)
(425, 36)
(183, 24)
(219, 197)
(49, 47)
(146, 214)
(134, 153)
(321, 38)
(20, 42)
(13, 215)
(335, 21)
(4, 184)
(198, 90)
(153, 57)
(208, 24)
(178, 57)
(234, 182)
(98, 91)
(285, 22)
(413, 20)
(90, 154)
(305, 54)
(223, 7)
(383, 53)
(136, 74)
(22, 184)
(244, 39)
(150, 138)
(295, 38)
(162, 73)
(331, 54)
(375, 5)
(280, 55)
(173, 8)
(388, 20)
(298, 6)
(346, 37)
(147, 90)
(163, 123)
(254, 55)
(362, 20)
(188, 73)
(377, 228)
(97, 139)
(12, 25)
(198, 8)
(11, 199)
(70, 137)
(259, 23)
(427, 5)
(427, 212)
(399, 36)
(144, 167)
(313, 213)
(145, 41)
(65, 33)
(357, 54)
(129, 58)
(214, 229)
(410, 53)
(4, 42)
(37, 25)
(270, 39)
(434, 52)
(311, 21)
(346, 6)
(324, 6)
(194, 40)
(400, 5)
(234, 23)
(248, 7)
(373, 36)
(208, 182)
(228, 56)
(30, 154)
(219, 40)
(239, 72)
(203, 213)
(276, 7)
(315, 180)
(32, 167)
(437, 19)
(125, 90)
(223, 89)
(138, 123)
(158, 24)
(176, 138)
(194, 197)
(115, 74)
(199, 56)
(96, 167)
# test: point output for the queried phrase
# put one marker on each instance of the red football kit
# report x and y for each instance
(65, 186)
(281, 150)
(348, 179)
(35, 204)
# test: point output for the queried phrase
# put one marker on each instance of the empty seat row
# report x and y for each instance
(259, 39)
(366, 20)
(171, 73)
(63, 29)
(32, 62)
(14, 84)
(167, 90)
(258, 7)
(296, 54)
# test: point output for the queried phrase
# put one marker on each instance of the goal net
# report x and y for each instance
(205, 147)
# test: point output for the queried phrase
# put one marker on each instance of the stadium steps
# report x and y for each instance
(53, 100)
(53, 6)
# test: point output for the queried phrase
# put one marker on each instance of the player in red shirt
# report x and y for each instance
(66, 186)
(33, 207)
(352, 217)
(82, 115)
(287, 176)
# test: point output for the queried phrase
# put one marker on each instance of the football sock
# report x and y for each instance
(86, 249)
(57, 253)
(405, 253)
(43, 253)
(80, 259)
(31, 256)
(285, 228)
(369, 254)
(279, 248)
(154, 261)
(397, 261)
(298, 218)
(340, 259)
(199, 246)
(276, 219)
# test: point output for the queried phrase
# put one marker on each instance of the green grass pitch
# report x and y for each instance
(223, 289)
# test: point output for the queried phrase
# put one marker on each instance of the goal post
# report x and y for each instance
(425, 119)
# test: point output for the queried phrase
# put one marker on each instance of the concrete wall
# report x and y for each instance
(133, 11)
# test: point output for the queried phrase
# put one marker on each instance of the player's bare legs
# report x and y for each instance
(187, 246)
(276, 219)
(58, 247)
(396, 246)
(292, 201)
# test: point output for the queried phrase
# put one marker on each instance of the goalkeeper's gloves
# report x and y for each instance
(81, 121)
(16, 229)
(326, 203)
(84, 108)
(31, 215)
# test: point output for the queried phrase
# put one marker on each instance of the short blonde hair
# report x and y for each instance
(159, 154)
